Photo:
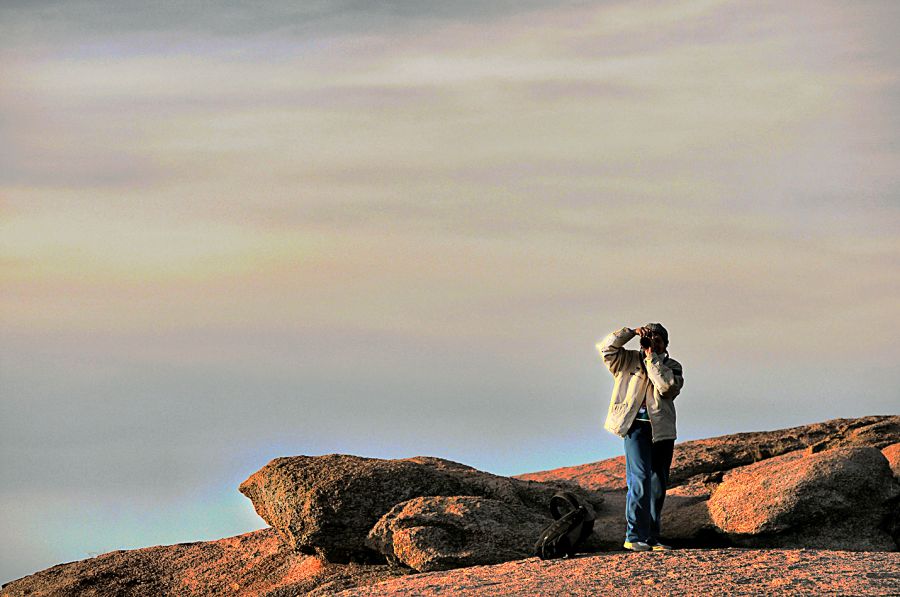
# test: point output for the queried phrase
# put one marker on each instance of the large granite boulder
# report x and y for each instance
(328, 504)
(440, 533)
(840, 498)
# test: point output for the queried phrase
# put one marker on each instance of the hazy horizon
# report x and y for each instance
(397, 229)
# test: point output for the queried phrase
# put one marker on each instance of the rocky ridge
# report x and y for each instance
(694, 460)
(344, 522)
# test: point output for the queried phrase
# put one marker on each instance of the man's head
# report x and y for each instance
(659, 337)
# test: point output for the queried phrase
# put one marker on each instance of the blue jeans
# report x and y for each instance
(647, 475)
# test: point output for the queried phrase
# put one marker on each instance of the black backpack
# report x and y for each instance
(567, 531)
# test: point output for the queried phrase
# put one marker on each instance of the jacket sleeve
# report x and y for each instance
(611, 350)
(668, 378)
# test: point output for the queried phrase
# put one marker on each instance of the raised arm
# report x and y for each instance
(667, 378)
(612, 351)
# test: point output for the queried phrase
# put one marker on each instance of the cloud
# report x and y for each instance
(421, 119)
(93, 20)
(81, 245)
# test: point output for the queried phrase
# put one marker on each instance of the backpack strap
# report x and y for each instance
(563, 502)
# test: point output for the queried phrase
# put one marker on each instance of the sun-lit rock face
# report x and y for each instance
(835, 499)
(256, 563)
(683, 572)
(892, 453)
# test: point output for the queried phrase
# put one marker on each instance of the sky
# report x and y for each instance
(393, 229)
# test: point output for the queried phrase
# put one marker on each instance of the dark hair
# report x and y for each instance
(657, 328)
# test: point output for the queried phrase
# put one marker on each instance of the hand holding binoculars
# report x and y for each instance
(645, 335)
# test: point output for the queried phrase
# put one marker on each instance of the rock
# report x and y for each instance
(699, 466)
(256, 563)
(682, 572)
(604, 475)
(701, 458)
(440, 533)
(328, 504)
(685, 523)
(830, 491)
(836, 499)
(892, 453)
(880, 434)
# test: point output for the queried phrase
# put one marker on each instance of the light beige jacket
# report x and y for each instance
(655, 379)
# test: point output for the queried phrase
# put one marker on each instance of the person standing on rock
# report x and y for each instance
(642, 410)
